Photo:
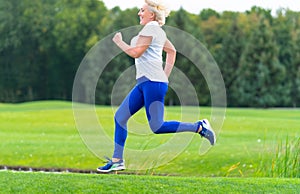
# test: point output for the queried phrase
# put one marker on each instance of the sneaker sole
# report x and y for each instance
(110, 170)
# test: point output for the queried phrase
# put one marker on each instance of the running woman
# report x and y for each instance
(152, 83)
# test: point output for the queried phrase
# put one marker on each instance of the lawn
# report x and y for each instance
(256, 144)
(20, 182)
(44, 134)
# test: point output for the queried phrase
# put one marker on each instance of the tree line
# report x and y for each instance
(43, 42)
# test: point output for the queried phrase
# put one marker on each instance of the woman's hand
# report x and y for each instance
(118, 38)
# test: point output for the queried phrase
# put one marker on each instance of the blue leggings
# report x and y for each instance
(151, 95)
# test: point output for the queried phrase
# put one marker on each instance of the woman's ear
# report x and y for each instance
(152, 15)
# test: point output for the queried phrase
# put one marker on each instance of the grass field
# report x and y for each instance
(253, 143)
(81, 183)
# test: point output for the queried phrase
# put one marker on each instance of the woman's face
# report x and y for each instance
(146, 15)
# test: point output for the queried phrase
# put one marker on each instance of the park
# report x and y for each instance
(45, 150)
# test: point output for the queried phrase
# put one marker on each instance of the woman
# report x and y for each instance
(152, 83)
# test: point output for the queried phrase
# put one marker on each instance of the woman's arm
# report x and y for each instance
(170, 58)
(142, 44)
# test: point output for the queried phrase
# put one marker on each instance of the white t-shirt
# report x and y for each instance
(150, 64)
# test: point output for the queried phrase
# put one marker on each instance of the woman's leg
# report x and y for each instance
(133, 102)
(154, 94)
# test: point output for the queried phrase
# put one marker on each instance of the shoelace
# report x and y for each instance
(203, 132)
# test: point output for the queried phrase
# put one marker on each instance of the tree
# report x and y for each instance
(76, 26)
(295, 72)
(26, 28)
(188, 23)
(261, 76)
(228, 58)
(283, 29)
(42, 44)
(205, 14)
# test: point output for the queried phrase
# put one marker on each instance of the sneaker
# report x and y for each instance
(112, 166)
(207, 132)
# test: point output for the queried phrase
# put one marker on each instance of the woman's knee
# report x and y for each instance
(156, 126)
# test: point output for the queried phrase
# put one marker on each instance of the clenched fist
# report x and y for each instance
(117, 38)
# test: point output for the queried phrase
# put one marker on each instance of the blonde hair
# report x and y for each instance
(159, 9)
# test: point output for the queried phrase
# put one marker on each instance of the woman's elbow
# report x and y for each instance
(172, 51)
(136, 55)
(137, 52)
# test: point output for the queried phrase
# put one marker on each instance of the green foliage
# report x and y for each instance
(285, 161)
(44, 42)
(44, 45)
(205, 14)
(20, 47)
(229, 56)
(186, 22)
(294, 73)
(261, 75)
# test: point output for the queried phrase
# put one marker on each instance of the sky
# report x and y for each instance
(195, 6)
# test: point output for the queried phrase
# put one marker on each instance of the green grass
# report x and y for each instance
(285, 163)
(43, 134)
(19, 182)
(255, 144)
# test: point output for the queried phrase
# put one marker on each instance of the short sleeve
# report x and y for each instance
(150, 29)
(154, 30)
